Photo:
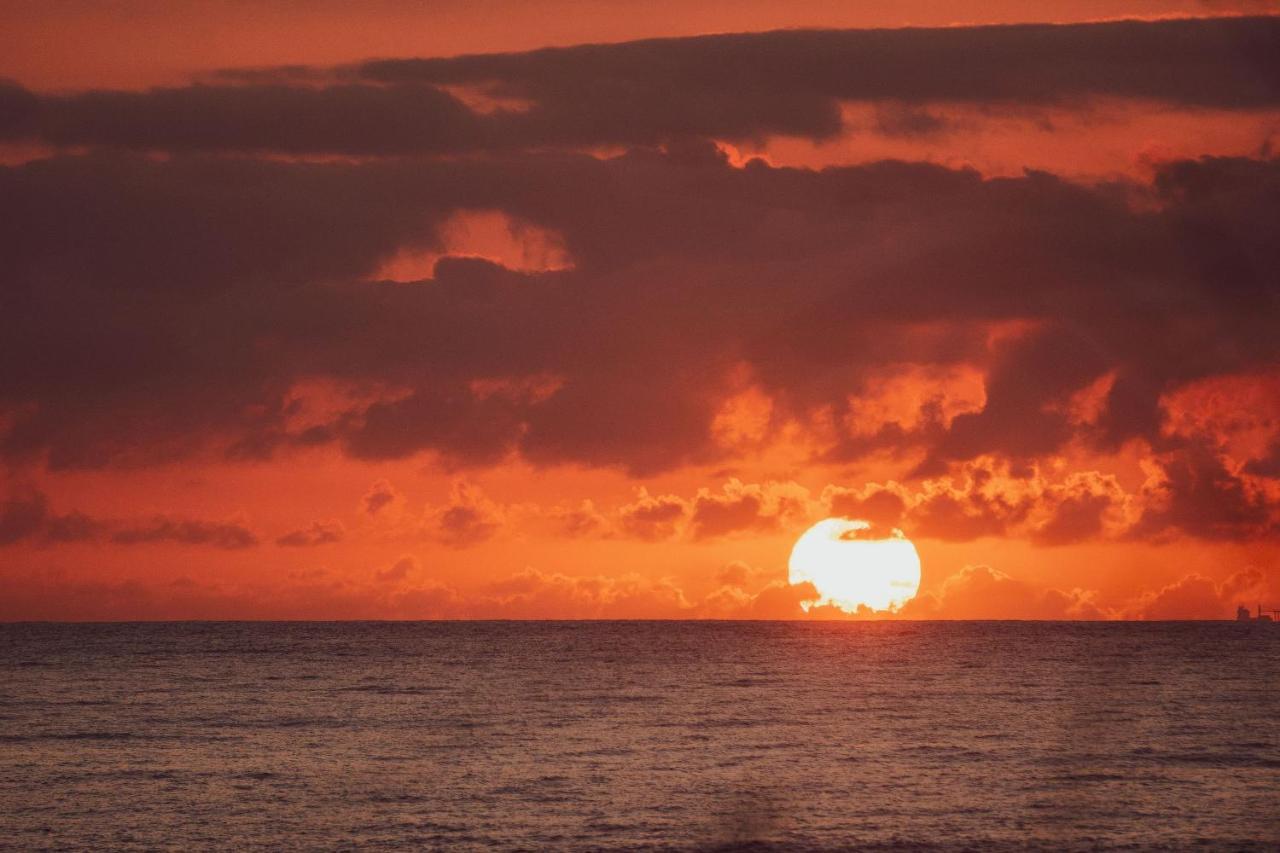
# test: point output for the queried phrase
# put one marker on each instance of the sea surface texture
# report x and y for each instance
(563, 736)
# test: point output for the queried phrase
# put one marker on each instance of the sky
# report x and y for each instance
(558, 309)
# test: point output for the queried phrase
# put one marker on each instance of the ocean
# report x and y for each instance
(640, 736)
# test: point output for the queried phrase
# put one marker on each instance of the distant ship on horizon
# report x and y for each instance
(1243, 615)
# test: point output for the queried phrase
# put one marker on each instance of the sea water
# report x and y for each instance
(640, 735)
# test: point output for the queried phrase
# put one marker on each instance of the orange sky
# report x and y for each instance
(341, 345)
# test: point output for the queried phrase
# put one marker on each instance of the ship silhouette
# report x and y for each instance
(1243, 615)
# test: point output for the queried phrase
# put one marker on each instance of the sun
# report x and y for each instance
(849, 568)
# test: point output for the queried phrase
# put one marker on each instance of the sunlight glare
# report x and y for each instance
(850, 569)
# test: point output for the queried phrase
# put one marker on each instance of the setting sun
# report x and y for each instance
(850, 569)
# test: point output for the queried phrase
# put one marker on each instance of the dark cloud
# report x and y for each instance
(18, 109)
(75, 527)
(735, 574)
(167, 308)
(1078, 509)
(467, 518)
(781, 79)
(1225, 62)
(399, 570)
(882, 506)
(1196, 493)
(739, 87)
(989, 499)
(230, 535)
(981, 592)
(316, 533)
(1194, 596)
(25, 516)
(902, 120)
(780, 600)
(344, 119)
(651, 517)
(741, 507)
(1268, 465)
(580, 521)
(22, 514)
(532, 594)
(1190, 491)
(969, 512)
(380, 496)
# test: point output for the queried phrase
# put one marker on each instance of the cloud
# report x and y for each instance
(58, 596)
(345, 119)
(535, 594)
(881, 505)
(231, 535)
(981, 592)
(737, 86)
(467, 519)
(926, 315)
(1087, 505)
(397, 592)
(902, 120)
(739, 574)
(776, 600)
(581, 521)
(1191, 489)
(222, 376)
(380, 496)
(532, 594)
(983, 504)
(22, 513)
(652, 517)
(428, 601)
(394, 594)
(1221, 62)
(25, 516)
(18, 109)
(399, 570)
(1267, 465)
(743, 507)
(75, 527)
(1197, 597)
(991, 498)
(736, 508)
(317, 533)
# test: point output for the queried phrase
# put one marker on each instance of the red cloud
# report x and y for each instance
(582, 520)
(737, 86)
(219, 534)
(23, 512)
(1197, 597)
(981, 592)
(806, 300)
(747, 507)
(974, 331)
(1193, 489)
(468, 518)
(882, 505)
(652, 518)
(989, 498)
(25, 515)
(317, 533)
(380, 496)
(399, 570)
(534, 595)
